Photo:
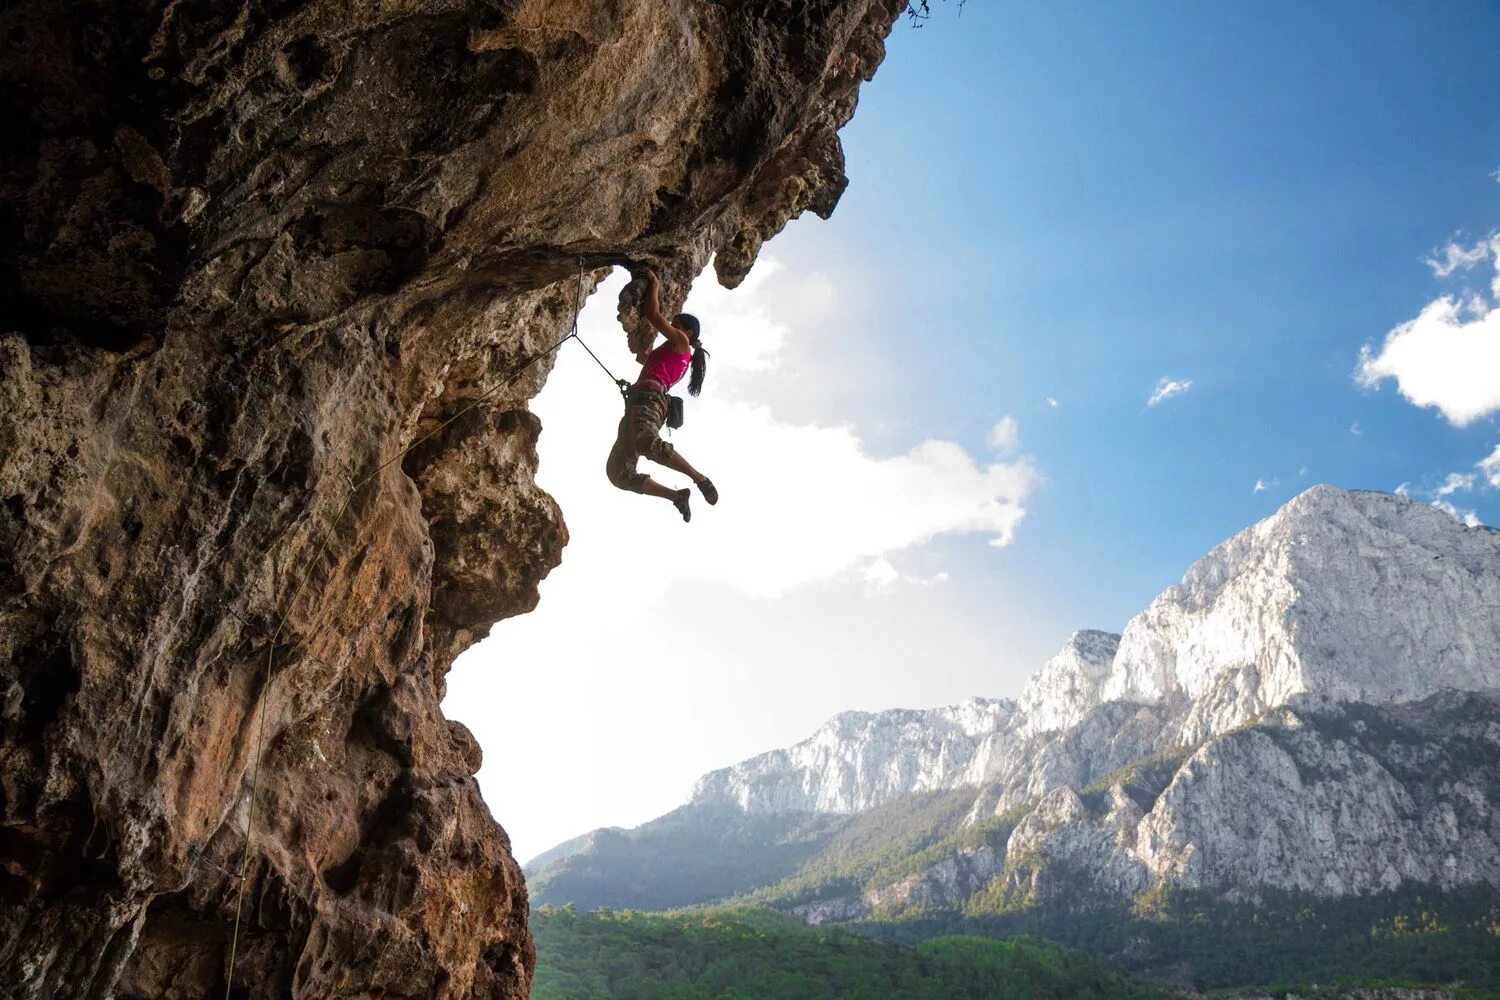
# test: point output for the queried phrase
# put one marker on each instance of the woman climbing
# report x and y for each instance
(646, 404)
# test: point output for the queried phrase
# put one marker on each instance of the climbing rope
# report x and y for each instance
(620, 383)
(275, 637)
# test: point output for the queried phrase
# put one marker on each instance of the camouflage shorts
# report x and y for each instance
(639, 436)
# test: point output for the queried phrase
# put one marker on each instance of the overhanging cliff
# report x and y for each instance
(251, 252)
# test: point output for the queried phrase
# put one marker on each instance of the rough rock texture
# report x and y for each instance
(1356, 596)
(1068, 686)
(1330, 801)
(251, 253)
(944, 885)
(858, 760)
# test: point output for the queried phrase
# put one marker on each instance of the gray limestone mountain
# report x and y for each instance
(1315, 708)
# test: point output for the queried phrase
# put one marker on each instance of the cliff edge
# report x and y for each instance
(251, 253)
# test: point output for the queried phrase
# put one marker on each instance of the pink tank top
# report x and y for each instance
(664, 368)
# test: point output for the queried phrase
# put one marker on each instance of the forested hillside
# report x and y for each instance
(745, 954)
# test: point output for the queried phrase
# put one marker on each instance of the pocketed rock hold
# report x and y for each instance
(251, 253)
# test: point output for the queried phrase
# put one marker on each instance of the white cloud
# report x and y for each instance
(1441, 360)
(1456, 481)
(1261, 485)
(1302, 472)
(1051, 402)
(1354, 428)
(1005, 436)
(1404, 490)
(880, 574)
(1457, 257)
(1166, 388)
(1489, 467)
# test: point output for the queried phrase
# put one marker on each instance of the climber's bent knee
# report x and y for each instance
(627, 480)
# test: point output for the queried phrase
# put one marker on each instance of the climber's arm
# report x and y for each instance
(652, 309)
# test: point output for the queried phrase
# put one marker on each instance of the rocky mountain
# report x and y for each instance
(278, 283)
(1315, 709)
(861, 759)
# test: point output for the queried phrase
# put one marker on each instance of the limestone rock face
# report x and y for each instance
(1331, 801)
(253, 253)
(1341, 596)
(1350, 595)
(861, 759)
(1069, 684)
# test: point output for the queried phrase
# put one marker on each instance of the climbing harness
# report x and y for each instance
(274, 638)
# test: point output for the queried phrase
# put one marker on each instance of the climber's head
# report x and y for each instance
(688, 324)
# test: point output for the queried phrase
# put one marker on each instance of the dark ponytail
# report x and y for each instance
(689, 324)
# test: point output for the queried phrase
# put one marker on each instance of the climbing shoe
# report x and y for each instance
(709, 491)
(681, 503)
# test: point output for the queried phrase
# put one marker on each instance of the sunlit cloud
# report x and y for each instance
(1448, 357)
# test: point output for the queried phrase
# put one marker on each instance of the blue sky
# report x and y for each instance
(1047, 201)
(1076, 200)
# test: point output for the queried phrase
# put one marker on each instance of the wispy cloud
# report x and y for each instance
(1005, 436)
(1166, 388)
(1448, 357)
(1261, 485)
(1052, 402)
(1454, 256)
(1455, 482)
(1354, 428)
(1489, 467)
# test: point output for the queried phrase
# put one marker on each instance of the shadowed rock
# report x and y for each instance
(248, 255)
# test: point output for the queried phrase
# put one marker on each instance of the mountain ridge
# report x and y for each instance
(1095, 775)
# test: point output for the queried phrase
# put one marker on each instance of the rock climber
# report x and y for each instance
(647, 402)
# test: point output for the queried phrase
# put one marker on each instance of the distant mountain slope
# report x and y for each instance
(860, 759)
(704, 852)
(1314, 710)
